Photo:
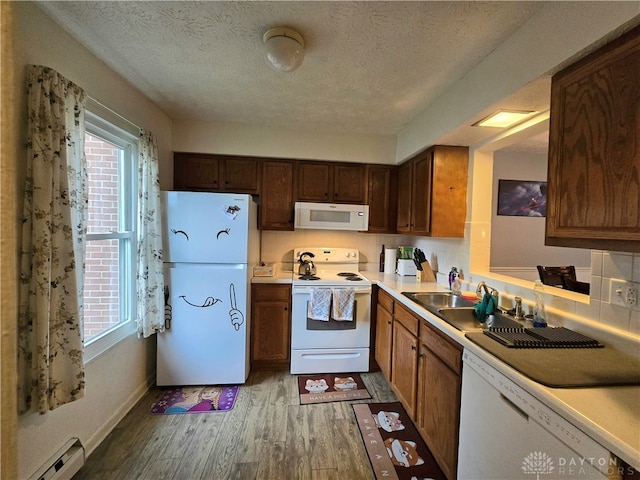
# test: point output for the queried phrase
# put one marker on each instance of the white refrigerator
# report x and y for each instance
(210, 242)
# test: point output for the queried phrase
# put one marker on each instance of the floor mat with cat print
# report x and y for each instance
(331, 387)
(396, 450)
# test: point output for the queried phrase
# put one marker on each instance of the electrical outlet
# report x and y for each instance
(623, 293)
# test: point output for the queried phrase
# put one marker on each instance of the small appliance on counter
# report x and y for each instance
(406, 266)
(264, 270)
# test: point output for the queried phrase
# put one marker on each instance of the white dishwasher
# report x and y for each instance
(506, 433)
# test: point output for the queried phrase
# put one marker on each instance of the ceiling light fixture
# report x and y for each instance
(503, 118)
(284, 49)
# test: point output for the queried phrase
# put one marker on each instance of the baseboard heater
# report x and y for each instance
(64, 464)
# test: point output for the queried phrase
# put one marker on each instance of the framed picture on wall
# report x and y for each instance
(522, 198)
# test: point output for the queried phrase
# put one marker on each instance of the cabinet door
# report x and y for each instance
(313, 182)
(194, 172)
(240, 175)
(384, 332)
(405, 173)
(404, 367)
(421, 194)
(593, 196)
(271, 318)
(276, 196)
(438, 409)
(449, 191)
(382, 198)
(349, 183)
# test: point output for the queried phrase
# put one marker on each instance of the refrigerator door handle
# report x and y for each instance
(167, 309)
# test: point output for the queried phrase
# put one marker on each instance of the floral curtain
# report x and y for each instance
(50, 349)
(150, 283)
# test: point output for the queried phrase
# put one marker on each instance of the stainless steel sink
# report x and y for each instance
(435, 301)
(458, 312)
(465, 319)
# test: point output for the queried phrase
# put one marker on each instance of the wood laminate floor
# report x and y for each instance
(267, 435)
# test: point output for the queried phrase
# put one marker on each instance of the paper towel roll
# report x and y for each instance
(390, 260)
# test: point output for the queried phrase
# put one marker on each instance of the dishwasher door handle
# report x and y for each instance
(514, 407)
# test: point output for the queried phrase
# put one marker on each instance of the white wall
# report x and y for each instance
(117, 378)
(258, 140)
(519, 241)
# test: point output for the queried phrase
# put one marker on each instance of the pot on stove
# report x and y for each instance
(306, 266)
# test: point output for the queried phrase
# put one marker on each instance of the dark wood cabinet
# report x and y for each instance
(593, 197)
(276, 195)
(270, 326)
(432, 192)
(424, 369)
(215, 173)
(382, 198)
(405, 173)
(384, 332)
(438, 396)
(331, 182)
(404, 358)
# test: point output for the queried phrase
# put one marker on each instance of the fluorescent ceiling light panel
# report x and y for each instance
(503, 118)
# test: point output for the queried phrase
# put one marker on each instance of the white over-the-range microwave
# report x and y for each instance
(331, 216)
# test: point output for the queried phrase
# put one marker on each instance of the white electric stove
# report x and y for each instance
(330, 346)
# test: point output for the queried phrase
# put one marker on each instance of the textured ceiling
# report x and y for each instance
(370, 67)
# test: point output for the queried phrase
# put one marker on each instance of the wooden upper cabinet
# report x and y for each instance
(449, 191)
(314, 182)
(404, 197)
(421, 193)
(594, 150)
(215, 173)
(276, 195)
(382, 198)
(195, 172)
(349, 183)
(432, 192)
(241, 175)
(331, 182)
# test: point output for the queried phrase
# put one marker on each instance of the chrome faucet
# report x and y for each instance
(518, 308)
(486, 288)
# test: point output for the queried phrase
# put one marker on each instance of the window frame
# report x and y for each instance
(110, 127)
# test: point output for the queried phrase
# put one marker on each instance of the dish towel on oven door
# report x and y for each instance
(319, 304)
(343, 300)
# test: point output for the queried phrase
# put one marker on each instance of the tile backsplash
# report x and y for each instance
(278, 247)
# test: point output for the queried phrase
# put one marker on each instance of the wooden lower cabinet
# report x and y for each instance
(383, 331)
(384, 336)
(270, 326)
(404, 363)
(438, 397)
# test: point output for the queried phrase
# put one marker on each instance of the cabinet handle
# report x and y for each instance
(285, 309)
(413, 347)
(389, 323)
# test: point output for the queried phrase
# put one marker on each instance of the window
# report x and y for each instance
(109, 285)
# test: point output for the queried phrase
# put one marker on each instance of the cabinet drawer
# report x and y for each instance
(385, 300)
(271, 292)
(406, 318)
(448, 352)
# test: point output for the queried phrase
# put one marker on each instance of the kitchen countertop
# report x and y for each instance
(609, 415)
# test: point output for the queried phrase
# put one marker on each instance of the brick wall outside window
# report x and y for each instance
(101, 285)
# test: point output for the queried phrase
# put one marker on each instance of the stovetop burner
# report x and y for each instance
(353, 278)
(308, 277)
(347, 274)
